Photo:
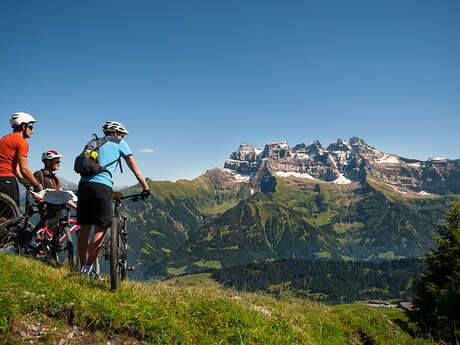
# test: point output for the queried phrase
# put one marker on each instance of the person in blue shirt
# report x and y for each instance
(94, 195)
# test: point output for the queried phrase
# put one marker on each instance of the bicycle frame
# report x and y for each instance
(47, 234)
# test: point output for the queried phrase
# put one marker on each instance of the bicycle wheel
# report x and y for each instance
(69, 246)
(15, 236)
(123, 245)
(114, 256)
(123, 270)
(8, 208)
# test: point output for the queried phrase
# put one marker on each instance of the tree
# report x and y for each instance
(437, 291)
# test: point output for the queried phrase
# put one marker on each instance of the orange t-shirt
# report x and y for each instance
(11, 147)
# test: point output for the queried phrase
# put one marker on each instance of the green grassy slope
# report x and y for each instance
(315, 222)
(173, 314)
(213, 221)
(175, 211)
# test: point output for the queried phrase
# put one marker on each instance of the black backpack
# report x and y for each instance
(87, 162)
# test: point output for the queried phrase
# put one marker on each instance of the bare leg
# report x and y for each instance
(96, 244)
(83, 244)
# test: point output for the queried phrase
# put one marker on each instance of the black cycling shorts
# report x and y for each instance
(94, 204)
(9, 186)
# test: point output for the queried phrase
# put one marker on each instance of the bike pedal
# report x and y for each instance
(131, 268)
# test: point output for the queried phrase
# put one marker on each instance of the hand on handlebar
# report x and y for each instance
(145, 194)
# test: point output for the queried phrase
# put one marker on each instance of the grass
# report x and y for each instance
(191, 279)
(187, 314)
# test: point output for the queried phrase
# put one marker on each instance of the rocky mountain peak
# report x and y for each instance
(339, 145)
(277, 151)
(355, 141)
(345, 162)
(245, 152)
(314, 148)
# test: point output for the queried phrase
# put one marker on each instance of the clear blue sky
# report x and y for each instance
(191, 80)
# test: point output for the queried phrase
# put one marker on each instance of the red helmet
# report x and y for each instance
(50, 155)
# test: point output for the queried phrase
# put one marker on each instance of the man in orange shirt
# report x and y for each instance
(13, 156)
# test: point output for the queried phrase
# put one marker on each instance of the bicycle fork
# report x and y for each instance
(124, 243)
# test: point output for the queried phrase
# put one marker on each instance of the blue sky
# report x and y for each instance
(191, 80)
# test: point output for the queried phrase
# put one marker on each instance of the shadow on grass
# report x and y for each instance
(407, 326)
(84, 280)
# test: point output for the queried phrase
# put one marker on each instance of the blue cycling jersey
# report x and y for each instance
(109, 152)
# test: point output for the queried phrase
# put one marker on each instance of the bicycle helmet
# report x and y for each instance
(19, 118)
(113, 126)
(51, 154)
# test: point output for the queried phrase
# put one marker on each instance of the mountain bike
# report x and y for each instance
(16, 231)
(116, 248)
(8, 208)
(55, 238)
(48, 239)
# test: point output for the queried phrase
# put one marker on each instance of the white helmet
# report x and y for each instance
(19, 118)
(51, 154)
(113, 126)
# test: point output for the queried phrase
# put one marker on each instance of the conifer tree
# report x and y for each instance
(437, 291)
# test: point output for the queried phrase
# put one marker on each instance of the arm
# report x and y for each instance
(72, 204)
(19, 176)
(26, 174)
(131, 162)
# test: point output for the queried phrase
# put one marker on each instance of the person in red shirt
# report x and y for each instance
(13, 156)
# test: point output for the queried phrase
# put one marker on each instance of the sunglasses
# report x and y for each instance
(30, 126)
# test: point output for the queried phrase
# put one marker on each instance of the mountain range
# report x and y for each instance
(346, 162)
(347, 201)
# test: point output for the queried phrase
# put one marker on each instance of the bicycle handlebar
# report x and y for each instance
(134, 197)
(119, 196)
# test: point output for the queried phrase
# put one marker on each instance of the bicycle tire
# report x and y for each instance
(114, 255)
(8, 208)
(9, 242)
(54, 250)
(123, 245)
(123, 265)
(69, 246)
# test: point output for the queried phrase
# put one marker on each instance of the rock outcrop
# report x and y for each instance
(344, 162)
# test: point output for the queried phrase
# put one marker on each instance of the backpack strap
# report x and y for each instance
(116, 160)
(42, 175)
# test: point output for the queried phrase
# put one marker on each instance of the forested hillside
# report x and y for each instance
(326, 280)
(216, 221)
(313, 221)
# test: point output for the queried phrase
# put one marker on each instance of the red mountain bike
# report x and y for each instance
(18, 235)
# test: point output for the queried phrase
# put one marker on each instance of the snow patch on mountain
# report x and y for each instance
(342, 180)
(242, 178)
(423, 193)
(295, 174)
(388, 159)
(238, 177)
(258, 151)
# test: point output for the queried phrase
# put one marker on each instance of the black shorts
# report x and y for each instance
(9, 186)
(94, 204)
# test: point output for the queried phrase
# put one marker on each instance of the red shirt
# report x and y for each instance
(11, 147)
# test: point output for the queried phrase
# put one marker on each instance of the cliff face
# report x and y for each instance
(345, 162)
